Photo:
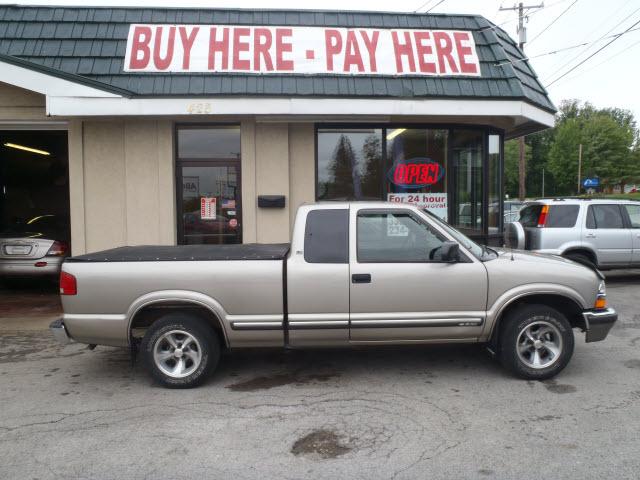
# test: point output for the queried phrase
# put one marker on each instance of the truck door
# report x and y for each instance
(399, 293)
(318, 277)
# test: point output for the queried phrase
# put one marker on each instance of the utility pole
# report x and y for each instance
(579, 167)
(522, 39)
(542, 182)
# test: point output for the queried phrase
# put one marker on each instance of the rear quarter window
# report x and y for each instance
(558, 216)
(562, 216)
(529, 215)
(326, 236)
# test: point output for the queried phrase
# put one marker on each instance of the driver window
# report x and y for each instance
(395, 237)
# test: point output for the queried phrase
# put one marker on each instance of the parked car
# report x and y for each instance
(355, 274)
(605, 233)
(34, 248)
(512, 210)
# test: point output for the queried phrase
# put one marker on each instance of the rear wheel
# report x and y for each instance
(180, 351)
(536, 342)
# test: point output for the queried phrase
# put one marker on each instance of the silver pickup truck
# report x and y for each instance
(354, 274)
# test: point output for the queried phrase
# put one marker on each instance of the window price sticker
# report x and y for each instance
(208, 208)
(395, 228)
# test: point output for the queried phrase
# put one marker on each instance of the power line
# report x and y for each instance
(439, 3)
(564, 49)
(422, 6)
(554, 21)
(557, 70)
(592, 55)
(493, 27)
(558, 65)
(606, 60)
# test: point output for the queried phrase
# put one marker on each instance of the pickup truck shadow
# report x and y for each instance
(263, 370)
(266, 369)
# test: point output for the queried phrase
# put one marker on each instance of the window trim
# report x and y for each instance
(418, 219)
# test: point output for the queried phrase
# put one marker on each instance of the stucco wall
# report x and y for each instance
(129, 195)
(302, 175)
(17, 104)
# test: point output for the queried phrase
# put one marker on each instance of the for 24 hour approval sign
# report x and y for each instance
(300, 50)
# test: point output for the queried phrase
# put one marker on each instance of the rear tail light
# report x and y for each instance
(542, 218)
(68, 285)
(58, 249)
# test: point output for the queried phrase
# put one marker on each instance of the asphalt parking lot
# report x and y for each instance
(432, 412)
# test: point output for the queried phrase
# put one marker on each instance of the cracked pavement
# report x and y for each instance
(366, 413)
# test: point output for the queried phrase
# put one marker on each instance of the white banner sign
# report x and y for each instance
(300, 50)
(436, 203)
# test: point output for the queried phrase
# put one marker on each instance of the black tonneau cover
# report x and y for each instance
(180, 253)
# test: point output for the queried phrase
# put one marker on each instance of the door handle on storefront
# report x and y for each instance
(361, 278)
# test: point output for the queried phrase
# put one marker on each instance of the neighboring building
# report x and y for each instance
(192, 126)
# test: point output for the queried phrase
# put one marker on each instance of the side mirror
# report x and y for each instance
(450, 252)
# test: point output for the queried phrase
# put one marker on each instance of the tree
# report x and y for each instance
(344, 170)
(372, 176)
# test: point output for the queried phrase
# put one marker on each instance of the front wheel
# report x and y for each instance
(180, 351)
(536, 342)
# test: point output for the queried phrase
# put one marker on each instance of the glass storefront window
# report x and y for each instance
(468, 194)
(211, 143)
(209, 202)
(455, 173)
(349, 164)
(417, 160)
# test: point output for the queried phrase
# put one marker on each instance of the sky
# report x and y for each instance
(608, 79)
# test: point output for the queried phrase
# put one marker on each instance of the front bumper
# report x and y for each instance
(59, 331)
(598, 323)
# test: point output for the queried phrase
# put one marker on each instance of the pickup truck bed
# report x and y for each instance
(184, 253)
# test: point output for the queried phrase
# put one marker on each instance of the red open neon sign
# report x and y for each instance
(416, 173)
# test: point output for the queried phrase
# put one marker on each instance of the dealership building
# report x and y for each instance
(181, 126)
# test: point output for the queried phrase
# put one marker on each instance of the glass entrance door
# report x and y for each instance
(209, 207)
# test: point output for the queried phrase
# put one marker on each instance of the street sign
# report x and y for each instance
(591, 183)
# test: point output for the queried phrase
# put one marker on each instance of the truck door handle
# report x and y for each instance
(590, 235)
(361, 278)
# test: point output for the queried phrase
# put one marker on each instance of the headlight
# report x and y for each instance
(601, 299)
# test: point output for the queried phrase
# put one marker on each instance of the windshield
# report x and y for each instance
(480, 252)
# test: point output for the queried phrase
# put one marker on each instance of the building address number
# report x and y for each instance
(199, 108)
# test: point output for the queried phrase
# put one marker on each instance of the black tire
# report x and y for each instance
(203, 345)
(554, 333)
(581, 258)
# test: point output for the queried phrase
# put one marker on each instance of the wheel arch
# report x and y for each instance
(149, 308)
(565, 304)
(590, 253)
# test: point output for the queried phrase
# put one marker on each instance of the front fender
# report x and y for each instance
(495, 310)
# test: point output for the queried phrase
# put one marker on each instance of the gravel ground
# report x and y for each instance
(418, 412)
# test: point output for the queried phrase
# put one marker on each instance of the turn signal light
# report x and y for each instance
(68, 284)
(601, 303)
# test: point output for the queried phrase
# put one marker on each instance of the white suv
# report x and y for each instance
(605, 233)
